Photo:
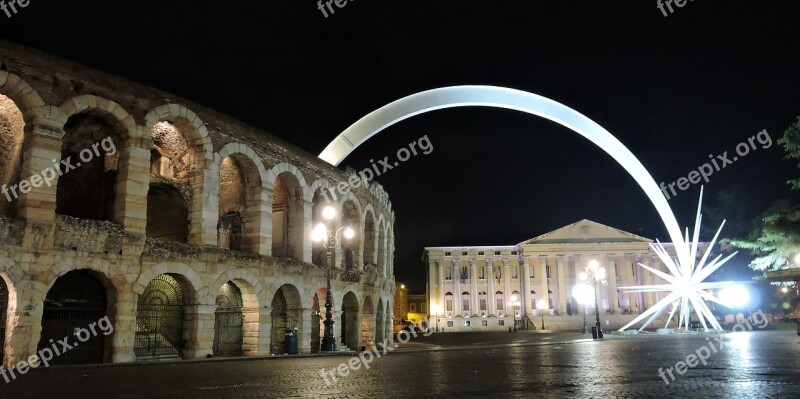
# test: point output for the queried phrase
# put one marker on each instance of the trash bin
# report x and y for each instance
(594, 332)
(290, 344)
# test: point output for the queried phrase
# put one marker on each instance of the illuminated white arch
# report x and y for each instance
(500, 97)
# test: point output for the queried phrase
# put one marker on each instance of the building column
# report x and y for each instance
(626, 272)
(562, 285)
(506, 287)
(545, 295)
(473, 288)
(648, 280)
(124, 326)
(490, 308)
(199, 331)
(264, 330)
(611, 275)
(525, 286)
(456, 287)
(440, 291)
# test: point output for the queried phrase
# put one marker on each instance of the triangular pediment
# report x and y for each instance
(586, 231)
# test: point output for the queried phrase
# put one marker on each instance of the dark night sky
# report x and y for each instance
(672, 89)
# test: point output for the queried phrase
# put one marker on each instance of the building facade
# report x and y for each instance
(187, 231)
(472, 288)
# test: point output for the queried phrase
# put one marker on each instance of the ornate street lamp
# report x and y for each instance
(331, 239)
(592, 275)
(514, 304)
(543, 305)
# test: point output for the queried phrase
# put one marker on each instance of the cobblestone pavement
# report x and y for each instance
(749, 365)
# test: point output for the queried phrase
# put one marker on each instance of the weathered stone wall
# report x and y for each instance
(38, 245)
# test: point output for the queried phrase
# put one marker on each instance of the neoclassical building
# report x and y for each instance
(192, 236)
(471, 288)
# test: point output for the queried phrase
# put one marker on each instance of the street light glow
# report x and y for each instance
(734, 296)
(542, 305)
(349, 233)
(583, 293)
(784, 289)
(319, 233)
(593, 264)
(601, 273)
(329, 212)
(583, 276)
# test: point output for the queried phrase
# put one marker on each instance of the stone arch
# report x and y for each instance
(25, 96)
(350, 214)
(291, 206)
(350, 331)
(93, 190)
(287, 314)
(169, 322)
(500, 97)
(186, 161)
(253, 298)
(10, 277)
(13, 128)
(370, 234)
(380, 322)
(242, 205)
(368, 322)
(381, 246)
(197, 289)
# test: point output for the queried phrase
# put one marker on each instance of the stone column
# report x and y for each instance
(24, 321)
(506, 288)
(545, 295)
(626, 273)
(456, 273)
(38, 204)
(258, 225)
(611, 273)
(578, 271)
(304, 332)
(490, 308)
(562, 285)
(124, 326)
(300, 231)
(132, 185)
(264, 330)
(473, 288)
(198, 331)
(525, 286)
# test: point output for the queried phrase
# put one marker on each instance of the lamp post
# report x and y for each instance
(592, 275)
(542, 305)
(514, 304)
(322, 233)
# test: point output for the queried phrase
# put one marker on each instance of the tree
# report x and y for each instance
(777, 241)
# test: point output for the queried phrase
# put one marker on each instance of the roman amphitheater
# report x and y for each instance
(193, 237)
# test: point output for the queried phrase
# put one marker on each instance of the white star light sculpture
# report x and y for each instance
(685, 283)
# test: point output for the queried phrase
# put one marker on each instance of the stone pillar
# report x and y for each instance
(132, 185)
(611, 273)
(543, 282)
(198, 331)
(124, 334)
(490, 308)
(456, 286)
(506, 288)
(300, 231)
(562, 285)
(473, 290)
(264, 330)
(304, 332)
(250, 331)
(626, 273)
(524, 286)
(24, 321)
(258, 222)
(41, 146)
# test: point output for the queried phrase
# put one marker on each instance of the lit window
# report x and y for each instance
(466, 323)
(449, 305)
(501, 322)
(449, 323)
(485, 323)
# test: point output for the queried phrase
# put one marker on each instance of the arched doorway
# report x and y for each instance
(317, 315)
(229, 322)
(77, 301)
(160, 319)
(287, 217)
(4, 294)
(381, 249)
(370, 239)
(286, 315)
(379, 322)
(349, 322)
(167, 213)
(368, 323)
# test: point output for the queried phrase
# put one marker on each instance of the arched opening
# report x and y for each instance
(4, 301)
(287, 314)
(229, 322)
(171, 156)
(90, 161)
(380, 322)
(319, 254)
(167, 213)
(370, 238)
(12, 134)
(239, 200)
(381, 249)
(349, 323)
(76, 308)
(160, 318)
(368, 323)
(388, 330)
(350, 217)
(287, 217)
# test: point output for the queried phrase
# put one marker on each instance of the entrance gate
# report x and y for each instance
(159, 320)
(228, 333)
